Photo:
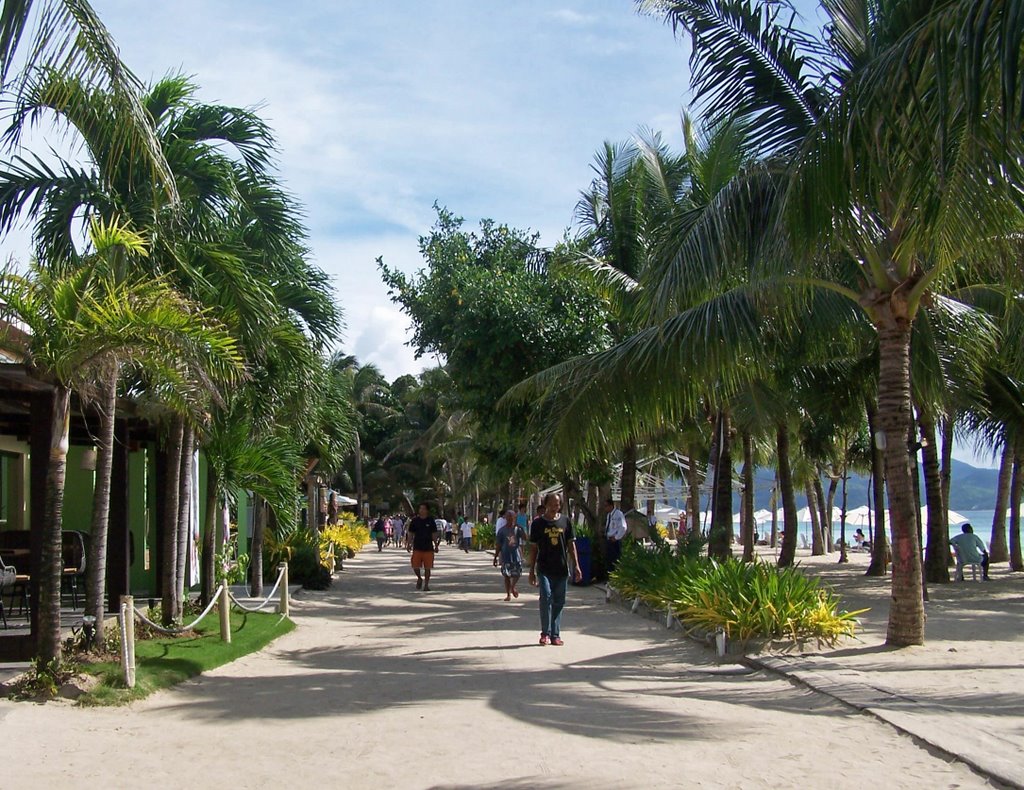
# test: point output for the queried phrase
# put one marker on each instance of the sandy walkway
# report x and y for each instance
(381, 686)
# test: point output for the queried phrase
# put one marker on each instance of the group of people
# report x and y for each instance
(551, 557)
(387, 530)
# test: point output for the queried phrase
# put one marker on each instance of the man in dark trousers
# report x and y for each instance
(552, 557)
(419, 539)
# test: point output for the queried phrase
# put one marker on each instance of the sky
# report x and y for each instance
(494, 110)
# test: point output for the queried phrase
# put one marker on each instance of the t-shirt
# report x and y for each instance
(552, 539)
(501, 522)
(422, 531)
(522, 520)
(467, 529)
(969, 547)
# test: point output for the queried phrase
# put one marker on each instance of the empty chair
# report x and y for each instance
(73, 555)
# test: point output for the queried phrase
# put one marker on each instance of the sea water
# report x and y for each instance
(981, 520)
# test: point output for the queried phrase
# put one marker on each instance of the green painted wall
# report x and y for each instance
(140, 521)
(78, 485)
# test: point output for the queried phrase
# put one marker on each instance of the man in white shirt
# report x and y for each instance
(466, 530)
(614, 531)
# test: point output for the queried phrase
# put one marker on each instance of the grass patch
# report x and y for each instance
(167, 660)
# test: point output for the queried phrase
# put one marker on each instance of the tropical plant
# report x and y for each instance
(78, 322)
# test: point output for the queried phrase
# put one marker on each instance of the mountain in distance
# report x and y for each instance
(971, 488)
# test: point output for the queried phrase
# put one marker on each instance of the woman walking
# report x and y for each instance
(509, 550)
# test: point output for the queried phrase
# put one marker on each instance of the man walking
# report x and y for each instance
(552, 557)
(419, 539)
(466, 533)
(614, 531)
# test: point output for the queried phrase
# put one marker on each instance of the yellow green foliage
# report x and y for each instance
(349, 535)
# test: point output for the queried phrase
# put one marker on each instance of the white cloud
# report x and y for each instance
(381, 109)
(570, 17)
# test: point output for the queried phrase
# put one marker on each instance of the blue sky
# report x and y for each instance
(381, 109)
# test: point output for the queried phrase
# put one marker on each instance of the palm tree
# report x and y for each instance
(67, 37)
(78, 322)
(873, 91)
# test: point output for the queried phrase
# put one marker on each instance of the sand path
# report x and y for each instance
(381, 686)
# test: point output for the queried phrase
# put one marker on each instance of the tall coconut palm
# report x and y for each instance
(872, 90)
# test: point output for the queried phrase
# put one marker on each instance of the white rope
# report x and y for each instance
(244, 608)
(181, 629)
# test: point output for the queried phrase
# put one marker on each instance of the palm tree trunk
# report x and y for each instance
(843, 556)
(748, 498)
(359, 474)
(169, 601)
(693, 482)
(627, 487)
(936, 558)
(998, 551)
(720, 535)
(1016, 485)
(184, 519)
(96, 563)
(906, 609)
(879, 564)
(946, 427)
(51, 562)
(259, 531)
(208, 577)
(817, 541)
(787, 553)
(825, 510)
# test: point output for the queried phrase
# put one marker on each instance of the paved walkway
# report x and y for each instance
(381, 686)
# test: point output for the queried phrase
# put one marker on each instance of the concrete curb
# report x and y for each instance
(936, 725)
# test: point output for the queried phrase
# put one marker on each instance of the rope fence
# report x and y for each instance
(223, 596)
(180, 629)
(281, 572)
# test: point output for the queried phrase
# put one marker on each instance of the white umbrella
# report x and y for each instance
(341, 499)
(666, 513)
(762, 515)
(860, 516)
(737, 517)
(803, 515)
(954, 518)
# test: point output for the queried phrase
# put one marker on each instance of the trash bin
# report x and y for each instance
(583, 551)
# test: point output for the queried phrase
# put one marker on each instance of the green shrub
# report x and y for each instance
(484, 536)
(745, 600)
(761, 601)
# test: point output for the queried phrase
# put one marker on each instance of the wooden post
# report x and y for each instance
(282, 607)
(225, 614)
(128, 602)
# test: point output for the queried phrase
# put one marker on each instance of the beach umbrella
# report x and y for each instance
(803, 515)
(666, 513)
(954, 518)
(860, 516)
(762, 516)
(737, 517)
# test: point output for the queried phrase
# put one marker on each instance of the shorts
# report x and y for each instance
(422, 559)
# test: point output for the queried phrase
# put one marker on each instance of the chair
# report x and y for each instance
(73, 555)
(974, 566)
(8, 575)
(15, 582)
